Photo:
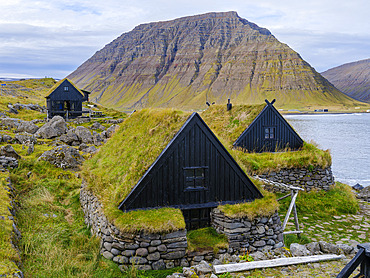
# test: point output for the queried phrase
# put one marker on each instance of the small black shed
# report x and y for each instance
(194, 173)
(269, 132)
(65, 100)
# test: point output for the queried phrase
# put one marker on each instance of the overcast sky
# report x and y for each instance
(52, 38)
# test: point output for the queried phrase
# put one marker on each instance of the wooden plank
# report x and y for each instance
(296, 219)
(286, 196)
(218, 269)
(292, 232)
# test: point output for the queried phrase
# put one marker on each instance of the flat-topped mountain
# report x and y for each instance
(186, 62)
(353, 79)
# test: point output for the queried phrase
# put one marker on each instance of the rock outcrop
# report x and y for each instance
(64, 157)
(211, 57)
(54, 128)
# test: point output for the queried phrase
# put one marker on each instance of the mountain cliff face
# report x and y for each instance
(211, 57)
(353, 79)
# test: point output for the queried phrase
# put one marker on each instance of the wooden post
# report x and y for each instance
(292, 202)
(296, 218)
(292, 207)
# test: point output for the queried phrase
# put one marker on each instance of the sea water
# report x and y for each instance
(347, 136)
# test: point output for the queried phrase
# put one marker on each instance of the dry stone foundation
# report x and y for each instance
(308, 179)
(161, 251)
(147, 251)
(260, 234)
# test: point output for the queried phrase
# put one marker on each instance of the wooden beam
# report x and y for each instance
(273, 263)
(296, 219)
(292, 202)
(286, 196)
(292, 232)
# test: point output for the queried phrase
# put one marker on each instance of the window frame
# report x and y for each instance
(195, 178)
(269, 131)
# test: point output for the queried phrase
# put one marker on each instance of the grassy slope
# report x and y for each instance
(26, 91)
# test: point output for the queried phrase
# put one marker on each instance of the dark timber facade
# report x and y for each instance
(269, 132)
(194, 173)
(66, 100)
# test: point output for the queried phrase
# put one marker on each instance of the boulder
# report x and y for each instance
(10, 122)
(5, 138)
(203, 268)
(346, 248)
(314, 248)
(90, 149)
(84, 135)
(64, 157)
(25, 138)
(28, 127)
(97, 138)
(31, 148)
(328, 248)
(70, 138)
(8, 151)
(97, 125)
(364, 194)
(54, 128)
(111, 130)
(298, 250)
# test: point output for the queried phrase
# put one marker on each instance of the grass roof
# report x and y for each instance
(228, 125)
(122, 161)
(56, 85)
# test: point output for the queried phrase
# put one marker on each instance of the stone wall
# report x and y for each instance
(316, 178)
(161, 251)
(260, 234)
(16, 235)
(147, 251)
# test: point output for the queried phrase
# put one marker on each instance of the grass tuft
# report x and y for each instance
(265, 206)
(206, 239)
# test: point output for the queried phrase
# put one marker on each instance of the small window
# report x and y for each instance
(66, 88)
(195, 178)
(269, 132)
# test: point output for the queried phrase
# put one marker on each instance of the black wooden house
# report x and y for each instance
(194, 173)
(66, 100)
(269, 132)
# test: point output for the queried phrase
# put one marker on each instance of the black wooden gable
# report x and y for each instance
(194, 171)
(66, 91)
(269, 132)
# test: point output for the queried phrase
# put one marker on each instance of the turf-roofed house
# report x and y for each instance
(65, 99)
(269, 132)
(162, 173)
(194, 173)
